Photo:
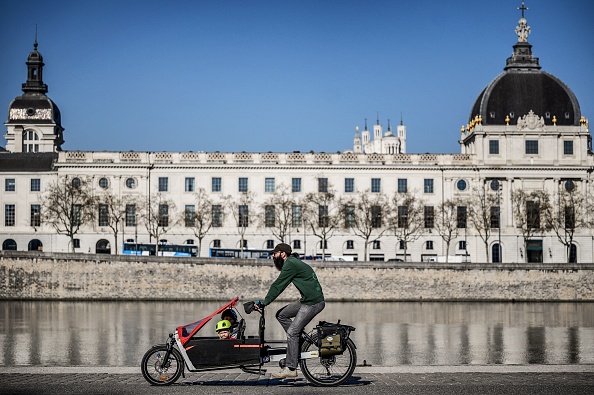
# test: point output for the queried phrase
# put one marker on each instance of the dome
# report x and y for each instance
(35, 109)
(524, 87)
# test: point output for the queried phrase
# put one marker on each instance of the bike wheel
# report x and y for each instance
(159, 372)
(328, 371)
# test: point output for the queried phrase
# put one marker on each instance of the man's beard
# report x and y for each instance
(278, 263)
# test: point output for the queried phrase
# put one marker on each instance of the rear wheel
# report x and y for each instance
(156, 370)
(328, 371)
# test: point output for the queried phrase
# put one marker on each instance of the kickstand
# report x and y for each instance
(260, 371)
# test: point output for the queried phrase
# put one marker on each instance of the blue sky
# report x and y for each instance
(279, 76)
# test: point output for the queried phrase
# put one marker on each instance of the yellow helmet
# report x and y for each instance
(223, 325)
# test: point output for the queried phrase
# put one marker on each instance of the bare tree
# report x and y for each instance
(158, 215)
(115, 212)
(530, 210)
(479, 214)
(278, 212)
(68, 204)
(446, 223)
(240, 208)
(363, 214)
(200, 219)
(406, 219)
(567, 215)
(321, 214)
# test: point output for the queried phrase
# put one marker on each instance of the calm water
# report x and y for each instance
(388, 334)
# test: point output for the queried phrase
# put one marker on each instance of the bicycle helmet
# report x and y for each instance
(223, 325)
(229, 313)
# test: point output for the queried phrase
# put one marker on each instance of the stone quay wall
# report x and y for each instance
(54, 276)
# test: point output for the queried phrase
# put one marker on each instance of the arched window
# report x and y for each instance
(103, 247)
(496, 253)
(30, 141)
(9, 245)
(35, 245)
(573, 254)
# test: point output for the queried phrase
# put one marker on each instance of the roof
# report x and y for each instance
(25, 162)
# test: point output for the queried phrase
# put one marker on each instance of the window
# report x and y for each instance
(243, 184)
(403, 216)
(76, 214)
(349, 216)
(461, 185)
(531, 147)
(216, 184)
(245, 243)
(297, 216)
(269, 185)
(269, 216)
(296, 185)
(569, 217)
(130, 183)
(103, 183)
(429, 245)
(216, 243)
(103, 215)
(76, 243)
(269, 244)
(428, 185)
(376, 185)
(377, 245)
(532, 215)
(495, 253)
(217, 216)
(494, 147)
(494, 217)
(376, 216)
(35, 185)
(462, 245)
(349, 185)
(163, 184)
(244, 217)
(323, 244)
(402, 245)
(189, 215)
(190, 184)
(350, 245)
(30, 140)
(10, 185)
(402, 185)
(163, 215)
(190, 241)
(130, 215)
(323, 216)
(76, 183)
(429, 217)
(36, 215)
(461, 216)
(296, 244)
(322, 185)
(9, 214)
(567, 147)
(572, 253)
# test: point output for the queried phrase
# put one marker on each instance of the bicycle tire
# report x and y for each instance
(328, 371)
(158, 373)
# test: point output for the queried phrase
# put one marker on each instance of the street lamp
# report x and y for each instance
(496, 186)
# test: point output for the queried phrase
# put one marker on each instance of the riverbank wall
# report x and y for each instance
(54, 276)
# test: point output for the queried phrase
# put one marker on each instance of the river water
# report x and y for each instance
(46, 333)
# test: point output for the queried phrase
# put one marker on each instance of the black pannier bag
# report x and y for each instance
(332, 338)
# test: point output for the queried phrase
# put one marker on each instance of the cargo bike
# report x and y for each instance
(328, 356)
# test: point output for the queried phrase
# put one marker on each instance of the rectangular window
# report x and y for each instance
(377, 245)
(532, 215)
(76, 214)
(216, 184)
(376, 216)
(163, 215)
(402, 245)
(269, 213)
(349, 216)
(189, 215)
(243, 184)
(270, 244)
(296, 244)
(103, 215)
(244, 216)
(494, 217)
(429, 217)
(494, 147)
(216, 243)
(323, 216)
(35, 185)
(190, 186)
(350, 245)
(269, 185)
(349, 185)
(217, 216)
(462, 245)
(376, 185)
(163, 184)
(324, 244)
(9, 214)
(569, 217)
(402, 185)
(403, 216)
(322, 185)
(130, 215)
(296, 185)
(76, 243)
(531, 147)
(428, 185)
(297, 216)
(429, 245)
(36, 215)
(10, 185)
(567, 147)
(461, 216)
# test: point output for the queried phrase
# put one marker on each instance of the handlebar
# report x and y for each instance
(249, 307)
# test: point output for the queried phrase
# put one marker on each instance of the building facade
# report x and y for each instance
(525, 134)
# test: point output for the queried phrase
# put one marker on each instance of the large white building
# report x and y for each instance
(525, 131)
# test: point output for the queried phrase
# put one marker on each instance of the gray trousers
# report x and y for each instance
(302, 315)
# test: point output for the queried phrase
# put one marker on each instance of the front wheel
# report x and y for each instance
(158, 371)
(328, 371)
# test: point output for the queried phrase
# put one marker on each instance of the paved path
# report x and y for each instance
(467, 379)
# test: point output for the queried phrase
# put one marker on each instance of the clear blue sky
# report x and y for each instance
(262, 76)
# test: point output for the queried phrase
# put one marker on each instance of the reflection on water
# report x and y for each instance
(388, 333)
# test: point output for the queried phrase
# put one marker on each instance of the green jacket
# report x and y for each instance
(302, 276)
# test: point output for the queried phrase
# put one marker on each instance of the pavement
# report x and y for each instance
(406, 379)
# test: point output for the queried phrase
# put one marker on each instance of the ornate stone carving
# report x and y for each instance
(530, 121)
(522, 30)
(29, 113)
